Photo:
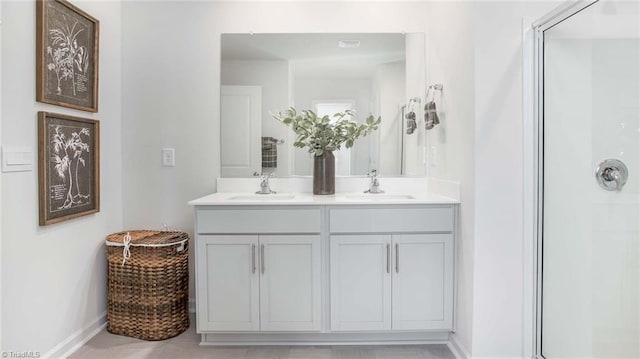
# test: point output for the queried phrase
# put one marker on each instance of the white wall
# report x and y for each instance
(170, 98)
(54, 277)
(415, 87)
(273, 77)
(450, 62)
(498, 245)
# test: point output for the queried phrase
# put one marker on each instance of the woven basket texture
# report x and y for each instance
(148, 296)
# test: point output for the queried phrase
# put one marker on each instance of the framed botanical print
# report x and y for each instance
(68, 167)
(66, 55)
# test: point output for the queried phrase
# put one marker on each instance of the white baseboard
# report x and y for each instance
(293, 339)
(77, 339)
(457, 348)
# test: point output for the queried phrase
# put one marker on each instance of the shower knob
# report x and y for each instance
(612, 174)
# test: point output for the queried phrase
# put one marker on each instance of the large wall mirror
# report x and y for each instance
(262, 74)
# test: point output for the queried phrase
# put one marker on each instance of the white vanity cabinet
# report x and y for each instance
(257, 273)
(323, 273)
(392, 268)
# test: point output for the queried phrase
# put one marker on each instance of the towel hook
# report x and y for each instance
(414, 103)
(433, 88)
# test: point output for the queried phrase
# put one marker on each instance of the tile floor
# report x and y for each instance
(186, 346)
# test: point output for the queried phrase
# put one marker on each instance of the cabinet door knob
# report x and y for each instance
(388, 257)
(397, 258)
(253, 258)
(262, 258)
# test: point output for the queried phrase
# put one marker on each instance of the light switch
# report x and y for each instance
(168, 157)
(17, 159)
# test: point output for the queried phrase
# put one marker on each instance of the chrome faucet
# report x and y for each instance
(265, 188)
(374, 185)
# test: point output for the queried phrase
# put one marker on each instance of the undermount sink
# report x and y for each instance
(378, 197)
(263, 197)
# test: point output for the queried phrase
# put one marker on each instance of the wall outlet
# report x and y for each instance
(168, 157)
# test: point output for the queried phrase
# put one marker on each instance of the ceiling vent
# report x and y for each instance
(348, 44)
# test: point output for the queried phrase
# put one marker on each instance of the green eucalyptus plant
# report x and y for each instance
(322, 134)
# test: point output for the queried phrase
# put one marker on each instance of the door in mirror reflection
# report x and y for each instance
(240, 128)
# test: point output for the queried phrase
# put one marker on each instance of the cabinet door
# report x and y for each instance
(290, 283)
(360, 282)
(228, 283)
(422, 281)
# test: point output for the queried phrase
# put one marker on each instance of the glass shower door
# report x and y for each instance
(591, 213)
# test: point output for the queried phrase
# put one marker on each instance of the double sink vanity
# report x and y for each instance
(349, 268)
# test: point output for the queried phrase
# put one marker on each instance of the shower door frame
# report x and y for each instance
(534, 168)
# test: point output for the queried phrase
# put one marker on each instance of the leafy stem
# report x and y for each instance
(322, 134)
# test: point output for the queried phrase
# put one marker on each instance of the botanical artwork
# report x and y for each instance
(69, 152)
(67, 56)
(69, 167)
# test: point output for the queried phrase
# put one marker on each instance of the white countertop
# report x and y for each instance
(348, 198)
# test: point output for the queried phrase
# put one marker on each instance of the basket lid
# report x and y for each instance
(148, 237)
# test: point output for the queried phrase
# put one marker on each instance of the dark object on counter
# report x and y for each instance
(324, 173)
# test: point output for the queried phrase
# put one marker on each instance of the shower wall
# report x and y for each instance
(591, 254)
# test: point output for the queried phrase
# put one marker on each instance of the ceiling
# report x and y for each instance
(317, 55)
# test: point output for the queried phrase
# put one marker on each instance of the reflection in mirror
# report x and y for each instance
(262, 74)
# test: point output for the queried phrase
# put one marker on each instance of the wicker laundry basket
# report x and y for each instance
(148, 284)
